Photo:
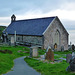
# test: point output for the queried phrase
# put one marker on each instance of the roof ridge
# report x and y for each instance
(36, 18)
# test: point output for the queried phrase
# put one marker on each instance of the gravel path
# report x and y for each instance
(21, 68)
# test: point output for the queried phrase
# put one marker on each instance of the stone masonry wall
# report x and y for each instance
(36, 40)
(50, 32)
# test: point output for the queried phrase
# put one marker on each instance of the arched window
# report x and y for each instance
(56, 38)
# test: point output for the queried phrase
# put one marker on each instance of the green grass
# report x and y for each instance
(41, 52)
(61, 54)
(6, 60)
(48, 68)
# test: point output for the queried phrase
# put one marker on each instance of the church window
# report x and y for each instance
(18, 38)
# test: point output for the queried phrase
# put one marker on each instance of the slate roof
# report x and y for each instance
(29, 27)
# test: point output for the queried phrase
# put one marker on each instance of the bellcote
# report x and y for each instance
(13, 18)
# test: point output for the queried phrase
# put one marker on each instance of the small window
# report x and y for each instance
(18, 38)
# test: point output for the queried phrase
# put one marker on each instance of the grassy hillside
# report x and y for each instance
(6, 59)
(1, 29)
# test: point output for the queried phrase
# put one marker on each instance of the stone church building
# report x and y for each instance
(44, 32)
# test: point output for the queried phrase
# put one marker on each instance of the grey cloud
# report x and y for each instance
(22, 6)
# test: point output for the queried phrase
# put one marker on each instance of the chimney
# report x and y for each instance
(13, 18)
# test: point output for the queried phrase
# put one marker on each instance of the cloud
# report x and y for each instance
(71, 36)
(27, 9)
(68, 6)
(4, 21)
(64, 15)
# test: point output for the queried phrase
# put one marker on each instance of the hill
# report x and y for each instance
(1, 29)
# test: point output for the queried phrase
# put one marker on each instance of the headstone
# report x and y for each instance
(4, 36)
(49, 55)
(62, 48)
(73, 54)
(12, 41)
(71, 67)
(68, 57)
(30, 52)
(34, 51)
(73, 47)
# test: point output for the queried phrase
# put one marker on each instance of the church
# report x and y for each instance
(44, 32)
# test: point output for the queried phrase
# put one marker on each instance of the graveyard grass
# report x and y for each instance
(6, 60)
(47, 68)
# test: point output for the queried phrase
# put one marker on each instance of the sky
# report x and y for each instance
(27, 9)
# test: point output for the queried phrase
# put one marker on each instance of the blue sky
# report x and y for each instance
(25, 9)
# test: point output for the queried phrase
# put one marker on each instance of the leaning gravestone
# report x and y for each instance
(49, 54)
(34, 51)
(68, 57)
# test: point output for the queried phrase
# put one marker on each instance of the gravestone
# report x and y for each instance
(68, 57)
(62, 48)
(73, 54)
(12, 40)
(71, 67)
(73, 47)
(34, 51)
(49, 54)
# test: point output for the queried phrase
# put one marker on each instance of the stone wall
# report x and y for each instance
(36, 40)
(49, 35)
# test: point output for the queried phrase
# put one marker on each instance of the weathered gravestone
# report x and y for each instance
(73, 54)
(71, 67)
(68, 57)
(49, 54)
(62, 48)
(34, 51)
(12, 41)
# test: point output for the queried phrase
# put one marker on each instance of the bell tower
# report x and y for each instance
(13, 18)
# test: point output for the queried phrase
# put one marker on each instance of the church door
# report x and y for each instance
(55, 46)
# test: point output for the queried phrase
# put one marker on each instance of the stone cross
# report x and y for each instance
(49, 55)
